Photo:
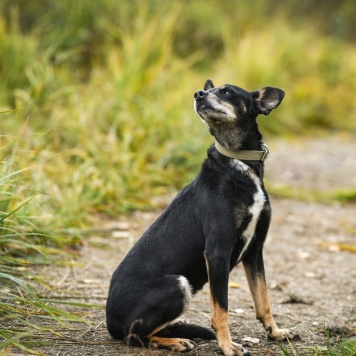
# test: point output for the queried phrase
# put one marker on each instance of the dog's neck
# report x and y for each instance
(230, 142)
(244, 155)
(234, 138)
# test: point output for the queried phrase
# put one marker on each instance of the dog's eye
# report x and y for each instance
(225, 91)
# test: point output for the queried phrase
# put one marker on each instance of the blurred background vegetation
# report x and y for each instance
(102, 90)
(97, 99)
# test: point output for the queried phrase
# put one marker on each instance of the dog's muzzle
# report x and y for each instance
(200, 94)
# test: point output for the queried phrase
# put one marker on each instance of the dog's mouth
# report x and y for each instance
(211, 111)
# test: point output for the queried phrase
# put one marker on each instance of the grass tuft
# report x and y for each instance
(336, 344)
(23, 244)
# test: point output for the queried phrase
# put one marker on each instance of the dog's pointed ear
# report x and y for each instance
(208, 84)
(267, 99)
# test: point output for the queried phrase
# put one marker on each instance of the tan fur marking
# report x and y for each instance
(260, 298)
(212, 301)
(220, 324)
(174, 344)
(219, 321)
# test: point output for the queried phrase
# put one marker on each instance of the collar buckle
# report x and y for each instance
(266, 152)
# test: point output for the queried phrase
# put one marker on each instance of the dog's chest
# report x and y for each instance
(252, 212)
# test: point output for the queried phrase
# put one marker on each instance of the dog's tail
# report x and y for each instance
(186, 331)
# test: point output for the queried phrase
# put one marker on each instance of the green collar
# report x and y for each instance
(244, 155)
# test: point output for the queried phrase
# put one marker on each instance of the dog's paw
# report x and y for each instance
(185, 345)
(233, 349)
(282, 334)
(173, 344)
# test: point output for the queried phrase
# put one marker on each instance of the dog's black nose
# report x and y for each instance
(200, 94)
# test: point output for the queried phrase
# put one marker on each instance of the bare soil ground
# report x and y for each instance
(310, 272)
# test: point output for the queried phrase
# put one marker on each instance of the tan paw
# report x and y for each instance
(233, 349)
(282, 334)
(184, 345)
(174, 344)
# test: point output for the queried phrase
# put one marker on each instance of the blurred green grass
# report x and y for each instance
(104, 90)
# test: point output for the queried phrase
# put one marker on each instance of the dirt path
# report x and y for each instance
(312, 280)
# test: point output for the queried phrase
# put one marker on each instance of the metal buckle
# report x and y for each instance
(266, 152)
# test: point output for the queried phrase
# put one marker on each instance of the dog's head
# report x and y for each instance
(229, 104)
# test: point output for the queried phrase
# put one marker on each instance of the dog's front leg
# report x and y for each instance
(254, 269)
(218, 274)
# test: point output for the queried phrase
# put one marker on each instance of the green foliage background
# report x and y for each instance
(103, 89)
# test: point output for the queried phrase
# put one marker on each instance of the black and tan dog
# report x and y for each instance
(217, 221)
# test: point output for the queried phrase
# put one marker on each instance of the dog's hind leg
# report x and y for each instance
(164, 301)
(254, 269)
